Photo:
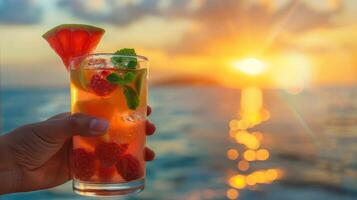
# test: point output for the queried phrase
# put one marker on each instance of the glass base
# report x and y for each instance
(108, 189)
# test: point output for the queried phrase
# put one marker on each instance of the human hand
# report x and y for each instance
(37, 156)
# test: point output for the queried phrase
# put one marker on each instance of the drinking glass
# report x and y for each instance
(112, 164)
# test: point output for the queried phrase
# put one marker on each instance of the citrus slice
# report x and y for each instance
(73, 40)
(78, 76)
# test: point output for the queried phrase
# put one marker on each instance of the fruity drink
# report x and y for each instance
(112, 164)
(110, 86)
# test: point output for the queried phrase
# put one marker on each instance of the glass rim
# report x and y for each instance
(140, 57)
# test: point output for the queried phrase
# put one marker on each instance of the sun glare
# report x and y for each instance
(251, 66)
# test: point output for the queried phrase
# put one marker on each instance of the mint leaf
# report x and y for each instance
(131, 94)
(126, 52)
(125, 62)
(132, 98)
(114, 78)
(132, 64)
(129, 77)
(117, 62)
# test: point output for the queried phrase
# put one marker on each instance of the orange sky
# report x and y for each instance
(301, 43)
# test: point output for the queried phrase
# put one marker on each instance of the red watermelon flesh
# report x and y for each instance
(73, 40)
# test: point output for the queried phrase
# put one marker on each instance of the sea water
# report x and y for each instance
(310, 136)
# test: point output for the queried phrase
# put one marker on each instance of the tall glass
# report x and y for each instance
(113, 164)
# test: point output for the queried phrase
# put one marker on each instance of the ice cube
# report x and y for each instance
(132, 117)
(97, 62)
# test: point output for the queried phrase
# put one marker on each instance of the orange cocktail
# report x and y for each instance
(113, 87)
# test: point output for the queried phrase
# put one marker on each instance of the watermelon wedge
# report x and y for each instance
(73, 40)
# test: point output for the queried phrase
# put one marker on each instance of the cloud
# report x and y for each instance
(218, 24)
(19, 12)
(299, 16)
(110, 11)
(215, 23)
(123, 13)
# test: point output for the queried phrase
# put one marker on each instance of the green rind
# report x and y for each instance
(89, 28)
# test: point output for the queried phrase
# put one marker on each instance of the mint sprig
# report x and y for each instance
(131, 96)
(125, 62)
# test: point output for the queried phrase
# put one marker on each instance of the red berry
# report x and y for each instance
(129, 167)
(109, 152)
(105, 73)
(83, 164)
(106, 173)
(101, 86)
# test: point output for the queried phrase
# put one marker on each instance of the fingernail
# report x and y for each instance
(98, 125)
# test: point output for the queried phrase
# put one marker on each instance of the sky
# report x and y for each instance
(294, 43)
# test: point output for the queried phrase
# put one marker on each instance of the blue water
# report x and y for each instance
(193, 136)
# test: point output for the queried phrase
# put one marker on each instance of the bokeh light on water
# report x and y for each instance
(249, 144)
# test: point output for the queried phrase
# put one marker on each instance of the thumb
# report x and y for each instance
(57, 130)
(34, 144)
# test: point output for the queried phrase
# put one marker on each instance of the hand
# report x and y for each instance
(36, 156)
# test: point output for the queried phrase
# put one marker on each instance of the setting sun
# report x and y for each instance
(251, 66)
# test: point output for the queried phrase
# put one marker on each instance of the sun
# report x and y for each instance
(250, 66)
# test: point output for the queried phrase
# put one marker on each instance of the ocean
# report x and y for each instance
(310, 139)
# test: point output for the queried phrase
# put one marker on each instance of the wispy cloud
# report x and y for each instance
(110, 11)
(214, 22)
(256, 26)
(19, 12)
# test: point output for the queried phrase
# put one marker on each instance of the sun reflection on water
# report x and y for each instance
(249, 145)
(232, 154)
(232, 193)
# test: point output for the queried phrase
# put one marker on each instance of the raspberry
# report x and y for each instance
(106, 173)
(105, 73)
(129, 167)
(109, 152)
(101, 86)
(83, 164)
